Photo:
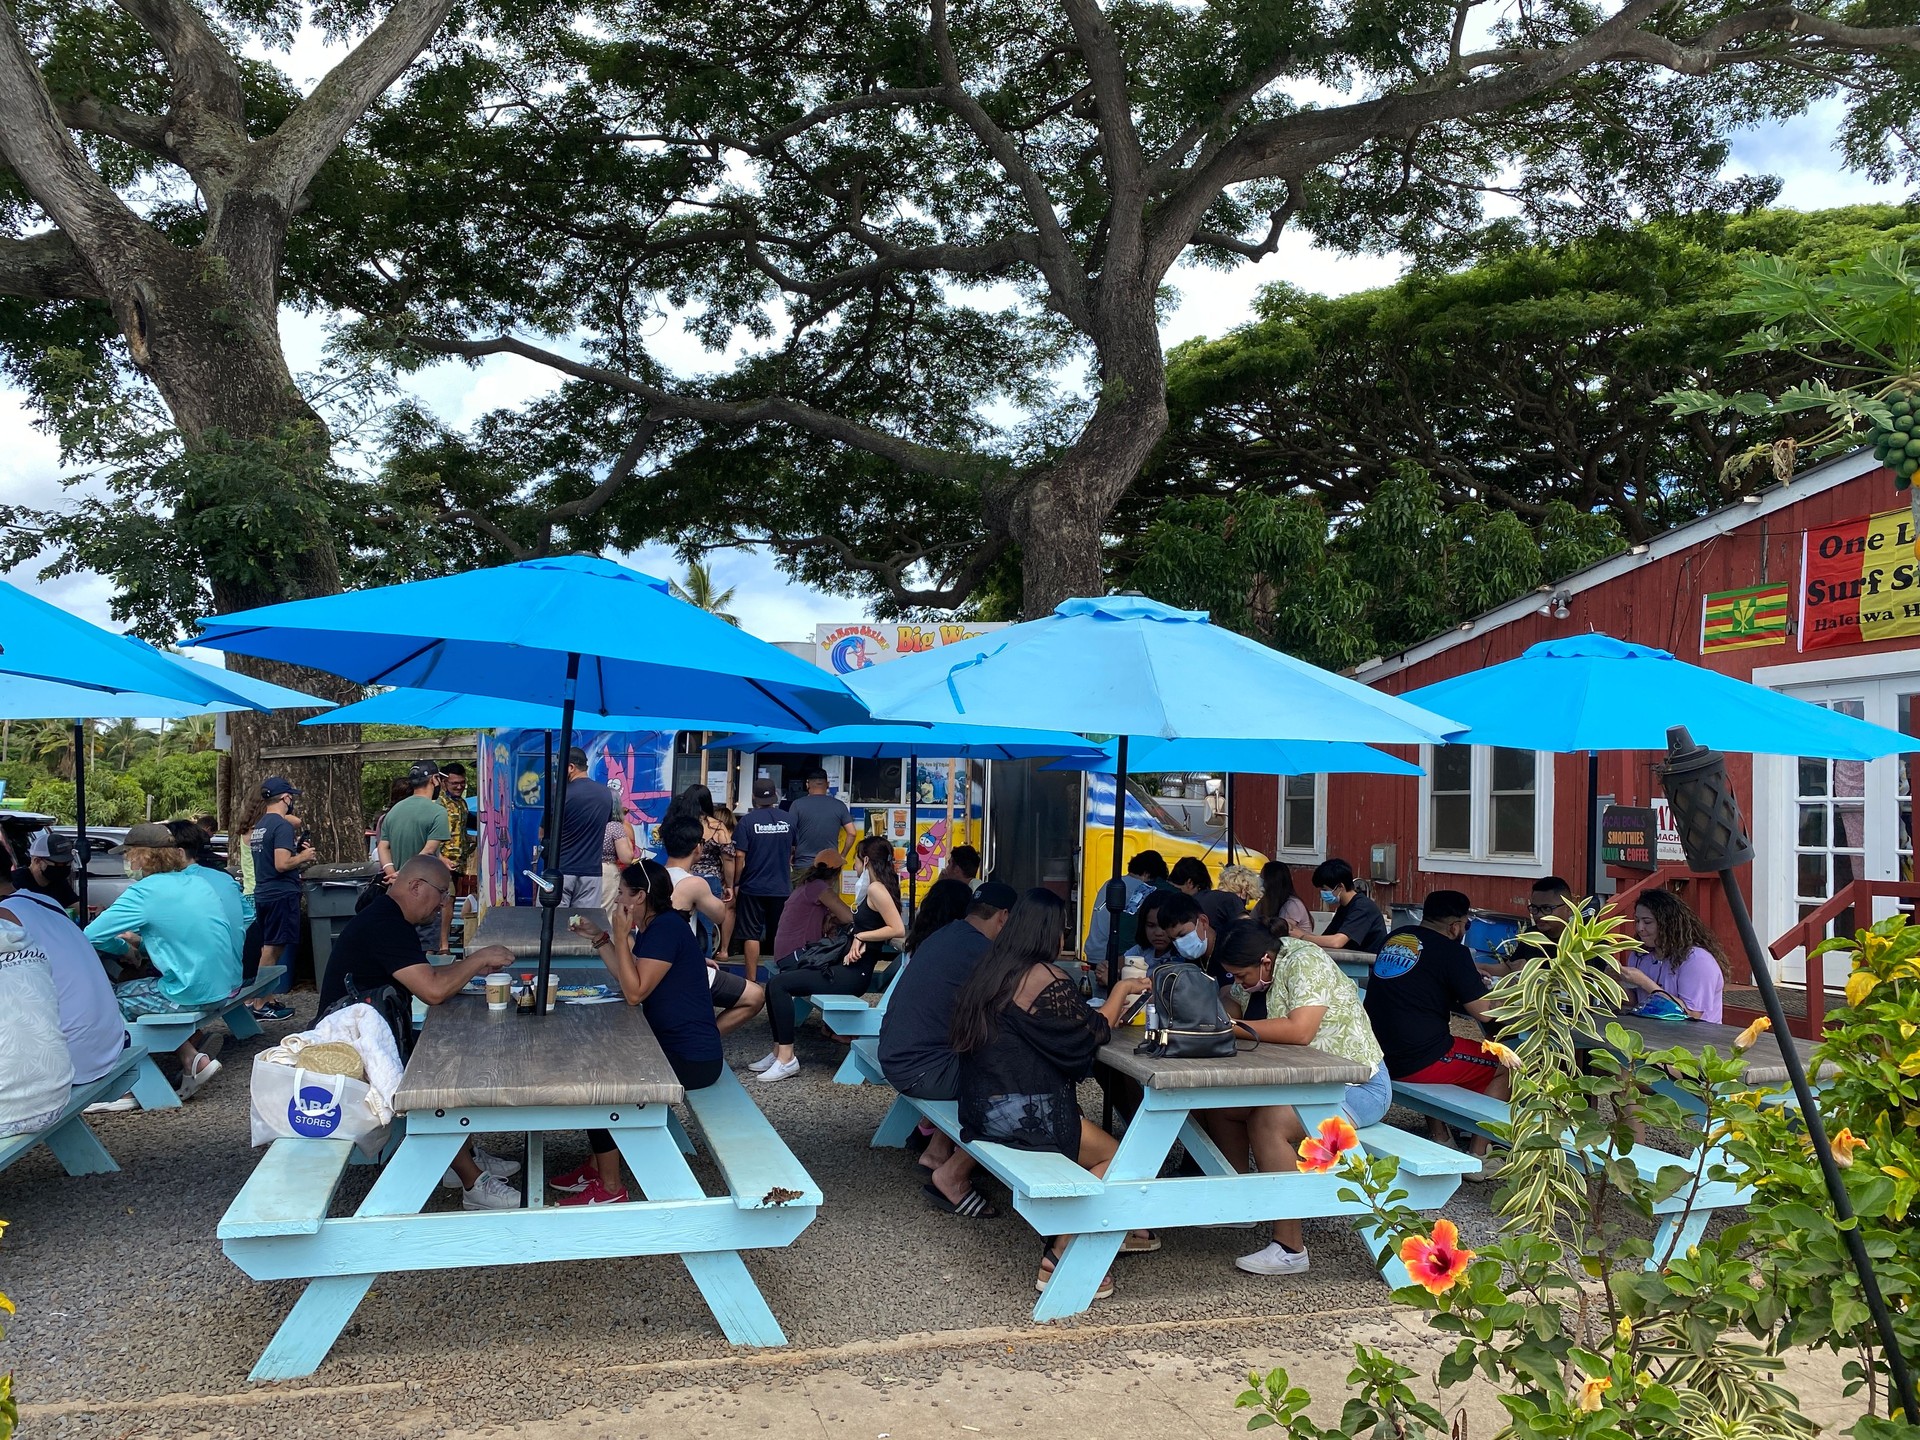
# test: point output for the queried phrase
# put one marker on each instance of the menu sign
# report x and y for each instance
(1629, 837)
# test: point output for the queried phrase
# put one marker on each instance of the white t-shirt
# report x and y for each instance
(35, 1070)
(89, 1015)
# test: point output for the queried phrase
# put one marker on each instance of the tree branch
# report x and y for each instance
(45, 267)
(890, 573)
(205, 77)
(772, 409)
(1119, 141)
(43, 154)
(289, 159)
(1276, 222)
(147, 133)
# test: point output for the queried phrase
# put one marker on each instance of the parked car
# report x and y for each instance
(106, 872)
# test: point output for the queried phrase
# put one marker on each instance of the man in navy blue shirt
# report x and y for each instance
(764, 840)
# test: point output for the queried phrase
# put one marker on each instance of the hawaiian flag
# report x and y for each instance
(1739, 619)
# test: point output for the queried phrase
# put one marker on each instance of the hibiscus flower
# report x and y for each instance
(1322, 1152)
(1436, 1263)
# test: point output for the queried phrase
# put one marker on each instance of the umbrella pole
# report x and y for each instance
(550, 898)
(913, 834)
(80, 813)
(1593, 824)
(1116, 887)
(1230, 819)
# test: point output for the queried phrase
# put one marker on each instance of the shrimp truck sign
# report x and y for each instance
(1859, 582)
(857, 644)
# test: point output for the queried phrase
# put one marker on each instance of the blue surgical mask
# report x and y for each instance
(1190, 946)
(1327, 897)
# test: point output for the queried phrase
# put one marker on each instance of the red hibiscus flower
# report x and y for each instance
(1437, 1263)
(1322, 1152)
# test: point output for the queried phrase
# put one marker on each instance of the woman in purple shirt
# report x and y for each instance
(1680, 958)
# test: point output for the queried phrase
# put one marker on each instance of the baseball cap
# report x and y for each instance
(831, 859)
(45, 845)
(150, 836)
(816, 773)
(274, 786)
(993, 892)
(765, 790)
(421, 772)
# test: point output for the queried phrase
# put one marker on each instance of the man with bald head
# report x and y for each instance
(381, 946)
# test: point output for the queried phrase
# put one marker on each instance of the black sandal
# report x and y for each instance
(970, 1206)
(1047, 1262)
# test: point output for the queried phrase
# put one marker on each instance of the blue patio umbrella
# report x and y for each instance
(1594, 693)
(438, 710)
(914, 743)
(567, 631)
(1244, 757)
(1131, 667)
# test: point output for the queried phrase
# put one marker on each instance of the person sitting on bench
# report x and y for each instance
(916, 1049)
(382, 945)
(1421, 976)
(177, 922)
(36, 1072)
(1293, 995)
(90, 1020)
(1026, 1040)
(735, 1000)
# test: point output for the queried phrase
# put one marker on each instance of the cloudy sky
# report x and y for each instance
(1211, 303)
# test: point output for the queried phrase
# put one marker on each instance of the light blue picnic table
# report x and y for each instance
(477, 1072)
(1058, 1197)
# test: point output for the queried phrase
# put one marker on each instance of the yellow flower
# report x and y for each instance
(6, 1304)
(1625, 1329)
(1501, 1053)
(1744, 1040)
(1860, 984)
(1593, 1393)
(1845, 1145)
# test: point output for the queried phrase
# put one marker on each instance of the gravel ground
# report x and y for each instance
(125, 1298)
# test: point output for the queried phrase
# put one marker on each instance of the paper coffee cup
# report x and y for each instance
(499, 990)
(553, 990)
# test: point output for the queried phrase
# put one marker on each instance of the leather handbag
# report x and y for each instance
(1189, 1021)
(825, 955)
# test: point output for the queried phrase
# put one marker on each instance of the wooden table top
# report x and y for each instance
(1263, 1064)
(518, 928)
(1764, 1065)
(470, 1057)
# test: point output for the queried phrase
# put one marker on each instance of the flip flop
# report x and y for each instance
(1140, 1242)
(1105, 1292)
(970, 1206)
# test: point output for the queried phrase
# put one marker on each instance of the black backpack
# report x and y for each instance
(1190, 1023)
(393, 1005)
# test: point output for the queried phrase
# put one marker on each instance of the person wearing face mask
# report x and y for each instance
(1357, 923)
(1291, 993)
(1422, 975)
(1189, 929)
(36, 1071)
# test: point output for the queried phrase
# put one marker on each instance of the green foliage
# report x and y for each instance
(181, 784)
(1858, 318)
(1384, 1408)
(1403, 568)
(111, 800)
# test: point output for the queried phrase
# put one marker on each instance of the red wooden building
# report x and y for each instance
(1827, 618)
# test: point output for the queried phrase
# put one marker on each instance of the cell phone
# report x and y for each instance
(1135, 1006)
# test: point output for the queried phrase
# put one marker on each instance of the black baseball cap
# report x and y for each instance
(996, 894)
(765, 790)
(421, 772)
(274, 786)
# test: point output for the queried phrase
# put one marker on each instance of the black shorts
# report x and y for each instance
(757, 917)
(278, 917)
(942, 1082)
(727, 988)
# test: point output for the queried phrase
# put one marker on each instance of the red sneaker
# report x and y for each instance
(576, 1179)
(594, 1193)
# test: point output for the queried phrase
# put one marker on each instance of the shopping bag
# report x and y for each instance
(291, 1103)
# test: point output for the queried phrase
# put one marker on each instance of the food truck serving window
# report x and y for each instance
(875, 782)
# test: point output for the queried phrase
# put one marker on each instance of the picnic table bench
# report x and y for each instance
(1058, 1197)
(171, 1029)
(479, 1072)
(70, 1140)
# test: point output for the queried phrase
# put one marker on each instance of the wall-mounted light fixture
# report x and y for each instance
(1556, 603)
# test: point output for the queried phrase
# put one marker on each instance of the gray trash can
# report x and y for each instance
(332, 893)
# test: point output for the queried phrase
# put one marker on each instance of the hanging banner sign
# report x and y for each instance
(1858, 582)
(1629, 836)
(859, 643)
(1742, 619)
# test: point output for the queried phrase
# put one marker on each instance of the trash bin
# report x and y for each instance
(332, 893)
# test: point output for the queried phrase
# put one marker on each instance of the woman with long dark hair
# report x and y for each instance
(652, 955)
(1680, 957)
(876, 928)
(1281, 910)
(1026, 1039)
(944, 902)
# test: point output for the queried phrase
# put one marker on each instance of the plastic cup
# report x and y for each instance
(499, 990)
(553, 991)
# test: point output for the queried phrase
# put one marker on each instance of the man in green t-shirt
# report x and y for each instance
(416, 825)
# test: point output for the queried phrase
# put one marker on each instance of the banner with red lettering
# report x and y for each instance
(1858, 582)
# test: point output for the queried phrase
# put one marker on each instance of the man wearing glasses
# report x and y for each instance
(1549, 907)
(381, 946)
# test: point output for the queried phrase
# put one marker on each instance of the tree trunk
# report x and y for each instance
(204, 329)
(1060, 519)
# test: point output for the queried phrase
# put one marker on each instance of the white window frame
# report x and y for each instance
(1479, 861)
(1296, 855)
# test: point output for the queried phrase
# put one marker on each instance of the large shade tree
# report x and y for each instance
(918, 219)
(151, 176)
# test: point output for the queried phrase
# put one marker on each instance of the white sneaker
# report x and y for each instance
(765, 1063)
(489, 1163)
(204, 1070)
(490, 1192)
(103, 1107)
(780, 1070)
(1276, 1259)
